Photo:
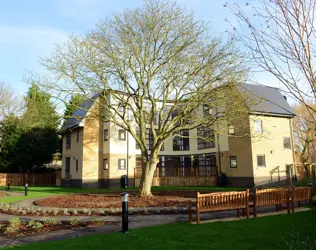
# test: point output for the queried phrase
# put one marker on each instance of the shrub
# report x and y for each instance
(15, 222)
(37, 225)
(85, 211)
(74, 212)
(10, 230)
(74, 221)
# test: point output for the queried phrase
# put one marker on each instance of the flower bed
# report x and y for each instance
(15, 227)
(110, 201)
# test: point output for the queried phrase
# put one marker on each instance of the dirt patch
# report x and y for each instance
(26, 229)
(112, 201)
(2, 194)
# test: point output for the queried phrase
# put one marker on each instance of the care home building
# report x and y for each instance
(251, 151)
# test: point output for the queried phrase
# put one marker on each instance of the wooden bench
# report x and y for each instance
(270, 197)
(220, 201)
(300, 194)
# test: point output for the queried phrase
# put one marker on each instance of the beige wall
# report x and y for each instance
(92, 147)
(270, 143)
(75, 152)
(239, 146)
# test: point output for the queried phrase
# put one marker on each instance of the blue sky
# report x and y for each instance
(29, 29)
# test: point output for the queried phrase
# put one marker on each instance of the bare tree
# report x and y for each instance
(279, 36)
(11, 104)
(155, 67)
(304, 134)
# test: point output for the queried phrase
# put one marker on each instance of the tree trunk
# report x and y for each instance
(148, 170)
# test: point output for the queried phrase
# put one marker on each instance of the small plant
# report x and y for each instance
(51, 222)
(74, 212)
(85, 211)
(74, 221)
(66, 211)
(56, 212)
(31, 223)
(11, 230)
(101, 211)
(37, 225)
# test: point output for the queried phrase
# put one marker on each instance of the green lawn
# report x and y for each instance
(261, 233)
(36, 192)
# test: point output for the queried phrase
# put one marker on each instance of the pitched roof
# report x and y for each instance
(268, 100)
(80, 114)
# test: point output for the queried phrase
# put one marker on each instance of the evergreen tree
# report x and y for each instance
(38, 141)
(73, 104)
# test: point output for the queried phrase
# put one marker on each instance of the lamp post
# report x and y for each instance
(26, 188)
(310, 183)
(124, 212)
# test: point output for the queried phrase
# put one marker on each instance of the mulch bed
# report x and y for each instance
(114, 200)
(25, 230)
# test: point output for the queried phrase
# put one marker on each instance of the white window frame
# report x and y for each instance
(257, 126)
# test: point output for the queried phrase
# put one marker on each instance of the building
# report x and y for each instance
(251, 151)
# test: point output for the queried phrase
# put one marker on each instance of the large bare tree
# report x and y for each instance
(304, 134)
(279, 36)
(155, 67)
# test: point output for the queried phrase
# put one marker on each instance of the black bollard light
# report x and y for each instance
(26, 188)
(8, 186)
(124, 212)
(310, 183)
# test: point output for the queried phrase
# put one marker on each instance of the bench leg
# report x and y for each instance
(190, 212)
(247, 212)
(197, 217)
(293, 207)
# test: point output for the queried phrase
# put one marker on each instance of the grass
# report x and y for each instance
(36, 192)
(271, 232)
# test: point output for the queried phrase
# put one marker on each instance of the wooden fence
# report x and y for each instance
(33, 179)
(179, 177)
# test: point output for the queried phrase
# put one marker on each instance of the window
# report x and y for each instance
(181, 140)
(261, 160)
(162, 165)
(122, 134)
(122, 164)
(149, 139)
(105, 164)
(78, 134)
(206, 164)
(67, 168)
(286, 143)
(208, 138)
(162, 147)
(77, 165)
(106, 134)
(233, 162)
(231, 129)
(207, 111)
(68, 141)
(257, 124)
